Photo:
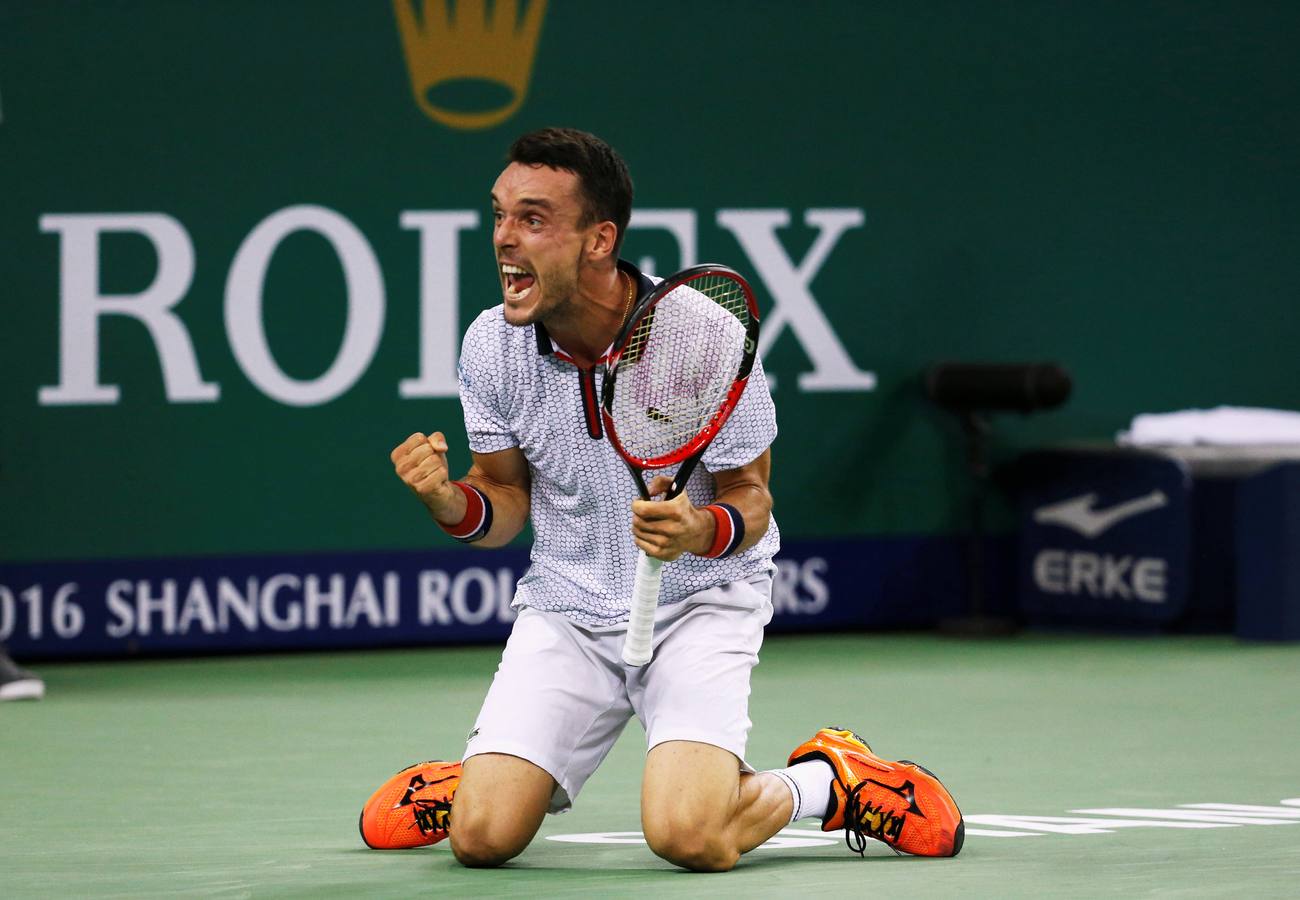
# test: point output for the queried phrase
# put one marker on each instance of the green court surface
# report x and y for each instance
(243, 776)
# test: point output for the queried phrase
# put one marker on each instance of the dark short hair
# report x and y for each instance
(606, 186)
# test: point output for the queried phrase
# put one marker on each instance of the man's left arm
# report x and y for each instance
(665, 529)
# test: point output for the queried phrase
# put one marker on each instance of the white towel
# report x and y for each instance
(1229, 425)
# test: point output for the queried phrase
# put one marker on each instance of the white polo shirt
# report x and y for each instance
(520, 390)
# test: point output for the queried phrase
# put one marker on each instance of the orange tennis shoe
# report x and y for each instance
(411, 809)
(899, 803)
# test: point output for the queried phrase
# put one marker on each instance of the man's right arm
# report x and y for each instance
(502, 477)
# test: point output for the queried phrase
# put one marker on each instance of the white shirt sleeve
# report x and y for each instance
(482, 387)
(750, 430)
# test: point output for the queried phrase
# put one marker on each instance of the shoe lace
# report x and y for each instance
(433, 815)
(863, 820)
(430, 815)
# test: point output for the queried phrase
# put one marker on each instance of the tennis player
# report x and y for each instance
(529, 383)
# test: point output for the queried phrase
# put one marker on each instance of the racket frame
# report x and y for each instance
(638, 644)
(688, 455)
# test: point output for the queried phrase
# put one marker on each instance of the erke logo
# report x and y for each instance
(466, 49)
(1080, 515)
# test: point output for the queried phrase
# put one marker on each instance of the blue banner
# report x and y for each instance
(444, 596)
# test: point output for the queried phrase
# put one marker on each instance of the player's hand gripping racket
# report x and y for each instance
(677, 370)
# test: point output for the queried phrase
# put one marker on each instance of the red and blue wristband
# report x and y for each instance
(729, 530)
(477, 519)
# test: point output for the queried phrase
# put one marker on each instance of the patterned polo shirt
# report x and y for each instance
(518, 389)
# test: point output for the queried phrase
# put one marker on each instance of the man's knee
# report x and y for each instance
(480, 845)
(690, 846)
(688, 805)
(482, 837)
(483, 834)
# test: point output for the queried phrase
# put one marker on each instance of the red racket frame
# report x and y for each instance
(692, 449)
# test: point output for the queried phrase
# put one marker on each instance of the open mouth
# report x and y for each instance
(519, 281)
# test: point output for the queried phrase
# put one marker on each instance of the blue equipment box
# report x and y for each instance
(1193, 539)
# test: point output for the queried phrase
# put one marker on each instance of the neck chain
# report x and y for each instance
(627, 303)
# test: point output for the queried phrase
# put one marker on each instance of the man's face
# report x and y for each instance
(538, 241)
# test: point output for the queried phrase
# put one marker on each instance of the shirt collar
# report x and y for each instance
(545, 347)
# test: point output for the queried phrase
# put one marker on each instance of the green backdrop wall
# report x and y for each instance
(199, 200)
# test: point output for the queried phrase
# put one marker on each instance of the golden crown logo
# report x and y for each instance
(467, 46)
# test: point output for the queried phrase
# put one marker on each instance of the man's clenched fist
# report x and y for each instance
(421, 463)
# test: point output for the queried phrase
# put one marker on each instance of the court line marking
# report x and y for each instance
(999, 825)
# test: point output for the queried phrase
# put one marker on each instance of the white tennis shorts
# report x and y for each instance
(562, 694)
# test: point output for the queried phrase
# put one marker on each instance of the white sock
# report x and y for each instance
(810, 786)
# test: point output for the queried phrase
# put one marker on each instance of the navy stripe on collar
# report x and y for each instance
(545, 346)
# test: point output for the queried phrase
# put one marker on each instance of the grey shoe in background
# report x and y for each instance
(18, 684)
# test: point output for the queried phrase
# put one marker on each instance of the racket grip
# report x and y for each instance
(637, 646)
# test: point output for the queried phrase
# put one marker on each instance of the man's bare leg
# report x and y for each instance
(498, 808)
(700, 812)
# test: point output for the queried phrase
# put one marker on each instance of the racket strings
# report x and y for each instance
(679, 364)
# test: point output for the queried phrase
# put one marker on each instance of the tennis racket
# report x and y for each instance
(678, 368)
